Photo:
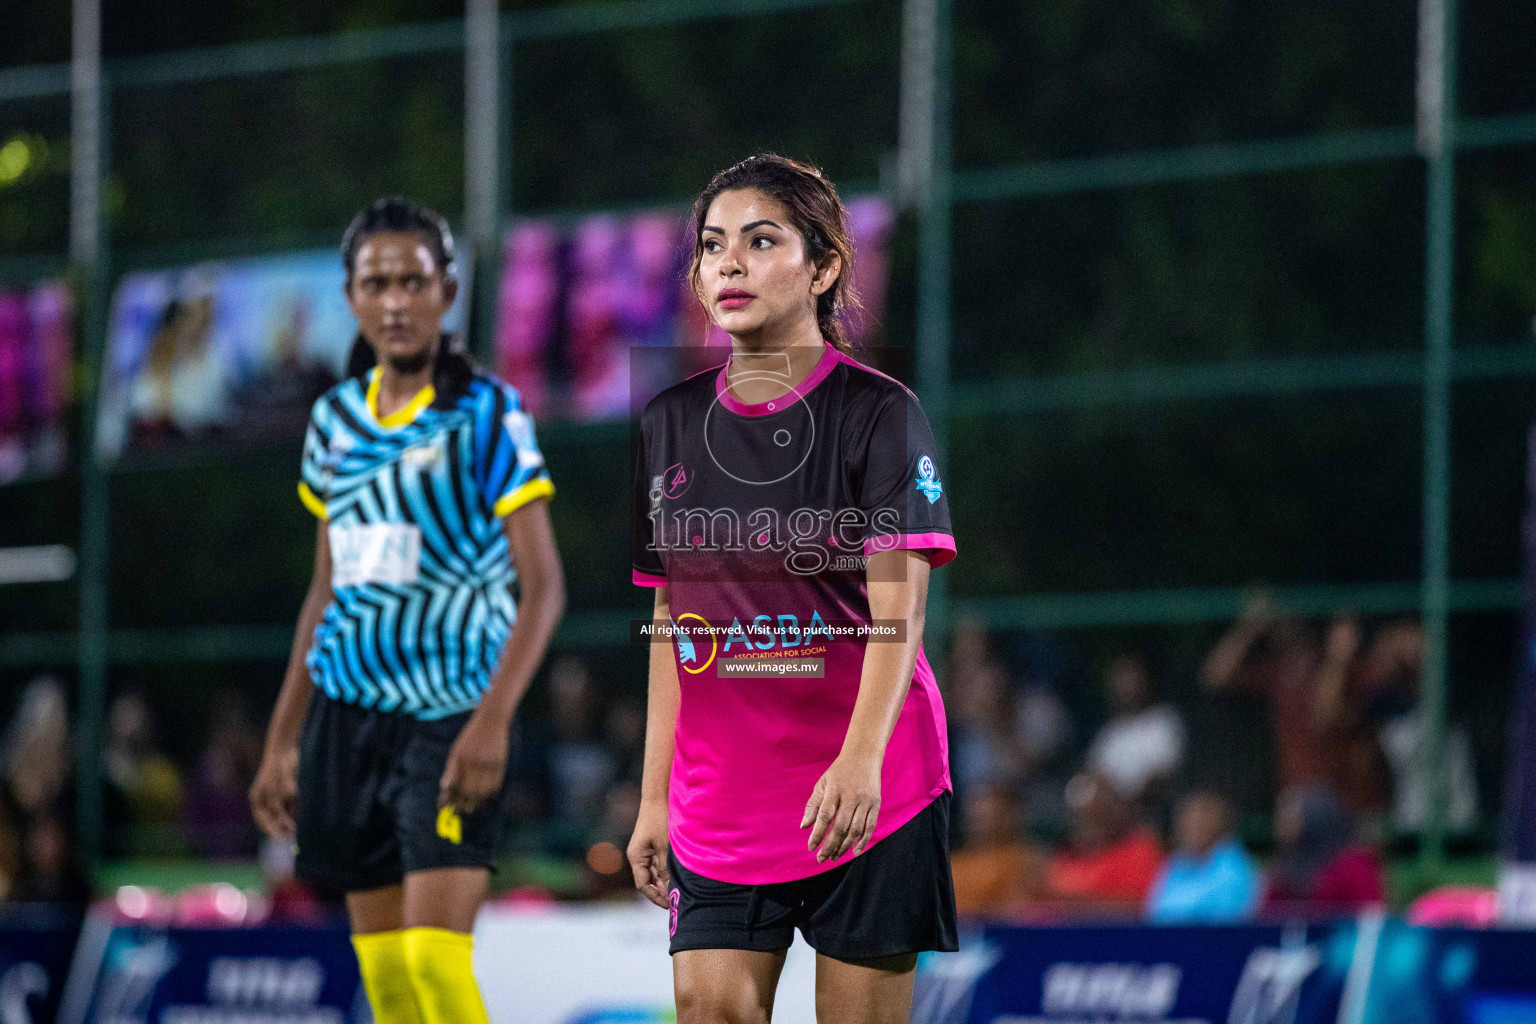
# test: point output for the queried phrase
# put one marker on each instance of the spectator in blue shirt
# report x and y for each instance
(1210, 878)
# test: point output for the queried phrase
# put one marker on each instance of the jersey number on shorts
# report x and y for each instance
(450, 826)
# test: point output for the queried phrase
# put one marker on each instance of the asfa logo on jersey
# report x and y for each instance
(928, 480)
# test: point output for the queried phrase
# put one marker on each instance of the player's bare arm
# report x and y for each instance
(845, 804)
(477, 763)
(276, 788)
(648, 846)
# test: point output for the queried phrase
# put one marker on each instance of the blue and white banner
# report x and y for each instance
(141, 974)
(1150, 975)
(609, 965)
(35, 951)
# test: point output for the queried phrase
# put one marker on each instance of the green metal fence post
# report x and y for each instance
(935, 215)
(482, 160)
(1437, 139)
(90, 136)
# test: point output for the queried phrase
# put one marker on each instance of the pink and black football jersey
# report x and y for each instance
(759, 520)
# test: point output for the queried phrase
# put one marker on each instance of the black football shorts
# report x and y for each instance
(368, 814)
(896, 897)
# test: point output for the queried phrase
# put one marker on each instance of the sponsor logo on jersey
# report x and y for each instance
(769, 631)
(676, 480)
(423, 456)
(687, 649)
(928, 480)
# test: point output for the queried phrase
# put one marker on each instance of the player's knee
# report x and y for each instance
(714, 1003)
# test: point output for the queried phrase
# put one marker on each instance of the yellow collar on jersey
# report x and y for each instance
(403, 415)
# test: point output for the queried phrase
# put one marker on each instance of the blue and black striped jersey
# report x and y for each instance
(421, 568)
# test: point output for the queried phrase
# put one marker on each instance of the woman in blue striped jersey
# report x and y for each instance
(432, 496)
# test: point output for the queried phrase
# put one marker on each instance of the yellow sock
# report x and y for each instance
(441, 969)
(381, 959)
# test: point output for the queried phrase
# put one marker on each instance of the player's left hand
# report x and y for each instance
(477, 764)
(843, 807)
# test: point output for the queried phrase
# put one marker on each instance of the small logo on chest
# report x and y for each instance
(675, 480)
(423, 456)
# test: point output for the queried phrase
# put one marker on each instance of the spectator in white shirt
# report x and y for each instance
(1142, 744)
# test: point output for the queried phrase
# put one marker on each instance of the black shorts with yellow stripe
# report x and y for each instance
(368, 786)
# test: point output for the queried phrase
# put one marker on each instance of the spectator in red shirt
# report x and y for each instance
(1112, 862)
(1320, 867)
(1306, 678)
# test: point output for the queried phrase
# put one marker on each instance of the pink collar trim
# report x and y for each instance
(828, 362)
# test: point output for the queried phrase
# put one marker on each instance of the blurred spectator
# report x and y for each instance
(624, 732)
(217, 814)
(39, 757)
(1303, 679)
(621, 807)
(581, 767)
(970, 646)
(1043, 738)
(1044, 729)
(1142, 744)
(1389, 678)
(50, 871)
(993, 869)
(1112, 861)
(608, 872)
(1210, 878)
(144, 789)
(983, 746)
(1319, 863)
(291, 901)
(1042, 725)
(10, 855)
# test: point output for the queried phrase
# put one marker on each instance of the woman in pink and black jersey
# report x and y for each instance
(788, 508)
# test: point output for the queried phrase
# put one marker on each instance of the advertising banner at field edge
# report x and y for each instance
(35, 951)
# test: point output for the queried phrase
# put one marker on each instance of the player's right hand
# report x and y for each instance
(275, 793)
(648, 855)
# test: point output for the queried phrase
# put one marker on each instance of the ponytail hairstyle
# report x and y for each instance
(452, 369)
(815, 210)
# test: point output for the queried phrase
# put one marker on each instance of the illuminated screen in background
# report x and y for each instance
(237, 350)
(35, 329)
(575, 295)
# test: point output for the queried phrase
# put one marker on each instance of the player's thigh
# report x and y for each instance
(445, 897)
(866, 991)
(725, 986)
(376, 910)
(432, 837)
(347, 838)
